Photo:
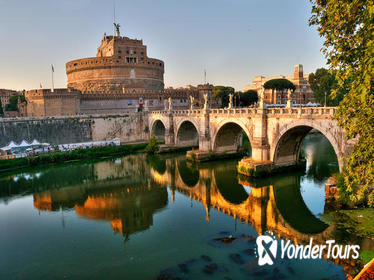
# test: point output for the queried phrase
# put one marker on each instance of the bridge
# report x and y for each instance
(275, 134)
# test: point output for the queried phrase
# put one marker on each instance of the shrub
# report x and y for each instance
(152, 146)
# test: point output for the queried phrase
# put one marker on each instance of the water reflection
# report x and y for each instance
(127, 193)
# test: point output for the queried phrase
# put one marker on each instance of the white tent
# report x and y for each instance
(35, 143)
(24, 144)
(12, 145)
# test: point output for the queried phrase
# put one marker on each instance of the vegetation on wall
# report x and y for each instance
(348, 32)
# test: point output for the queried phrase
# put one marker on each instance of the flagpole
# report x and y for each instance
(53, 85)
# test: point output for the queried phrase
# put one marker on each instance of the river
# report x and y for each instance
(160, 217)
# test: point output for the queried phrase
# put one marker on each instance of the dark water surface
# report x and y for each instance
(140, 217)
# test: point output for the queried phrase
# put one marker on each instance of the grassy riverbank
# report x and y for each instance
(59, 157)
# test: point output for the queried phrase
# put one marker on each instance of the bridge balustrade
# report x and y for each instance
(248, 111)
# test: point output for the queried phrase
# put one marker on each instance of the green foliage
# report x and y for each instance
(279, 84)
(348, 30)
(193, 156)
(13, 102)
(247, 98)
(58, 157)
(323, 82)
(152, 146)
(223, 92)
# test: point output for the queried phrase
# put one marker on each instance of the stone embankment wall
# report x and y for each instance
(129, 128)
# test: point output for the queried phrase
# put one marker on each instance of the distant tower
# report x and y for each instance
(298, 71)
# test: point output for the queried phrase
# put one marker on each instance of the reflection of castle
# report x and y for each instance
(129, 209)
(121, 78)
(117, 192)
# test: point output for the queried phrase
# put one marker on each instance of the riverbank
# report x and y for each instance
(60, 157)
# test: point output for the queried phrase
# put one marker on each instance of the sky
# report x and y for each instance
(234, 40)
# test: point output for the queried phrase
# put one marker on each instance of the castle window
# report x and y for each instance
(119, 50)
(160, 64)
(142, 53)
(135, 51)
(127, 50)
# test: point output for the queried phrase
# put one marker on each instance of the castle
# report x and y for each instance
(120, 79)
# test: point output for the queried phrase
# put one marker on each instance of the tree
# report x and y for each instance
(278, 84)
(223, 93)
(248, 98)
(348, 32)
(322, 83)
(13, 102)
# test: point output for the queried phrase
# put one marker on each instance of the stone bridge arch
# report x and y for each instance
(158, 129)
(187, 133)
(285, 148)
(226, 134)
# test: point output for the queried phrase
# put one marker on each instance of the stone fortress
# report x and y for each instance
(120, 79)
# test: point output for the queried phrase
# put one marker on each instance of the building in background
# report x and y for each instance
(302, 95)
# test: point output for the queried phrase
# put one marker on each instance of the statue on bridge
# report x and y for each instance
(170, 104)
(192, 100)
(261, 101)
(230, 101)
(289, 98)
(206, 101)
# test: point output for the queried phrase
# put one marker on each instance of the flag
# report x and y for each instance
(53, 69)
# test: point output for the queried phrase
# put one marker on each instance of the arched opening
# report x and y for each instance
(289, 149)
(303, 143)
(231, 138)
(158, 130)
(187, 135)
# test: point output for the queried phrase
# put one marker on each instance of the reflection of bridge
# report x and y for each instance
(264, 207)
(275, 133)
